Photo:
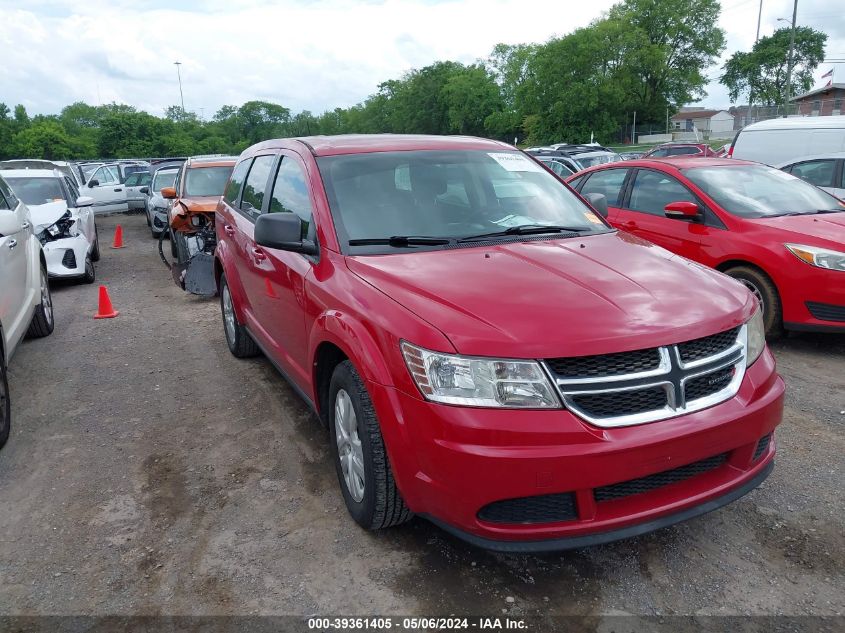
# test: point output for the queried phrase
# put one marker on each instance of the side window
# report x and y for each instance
(608, 183)
(816, 172)
(132, 180)
(253, 196)
(3, 203)
(652, 191)
(236, 181)
(74, 191)
(683, 151)
(576, 183)
(290, 193)
(9, 199)
(842, 181)
(560, 169)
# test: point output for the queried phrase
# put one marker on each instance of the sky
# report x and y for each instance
(306, 55)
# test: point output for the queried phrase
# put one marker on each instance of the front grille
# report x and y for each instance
(707, 346)
(604, 365)
(762, 446)
(826, 311)
(605, 405)
(708, 384)
(658, 480)
(541, 509)
(69, 260)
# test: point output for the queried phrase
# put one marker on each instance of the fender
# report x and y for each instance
(235, 286)
(354, 340)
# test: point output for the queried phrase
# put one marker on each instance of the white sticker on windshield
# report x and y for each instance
(514, 162)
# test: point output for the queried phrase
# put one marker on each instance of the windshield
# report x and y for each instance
(601, 159)
(446, 194)
(87, 170)
(164, 179)
(757, 191)
(207, 181)
(35, 191)
(134, 169)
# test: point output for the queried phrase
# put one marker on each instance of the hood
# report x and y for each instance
(44, 215)
(825, 227)
(565, 297)
(204, 204)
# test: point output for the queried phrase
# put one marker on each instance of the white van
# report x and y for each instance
(779, 141)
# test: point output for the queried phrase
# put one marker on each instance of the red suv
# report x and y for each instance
(486, 351)
(780, 236)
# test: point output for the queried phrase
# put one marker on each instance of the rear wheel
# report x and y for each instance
(363, 470)
(42, 320)
(762, 287)
(237, 338)
(5, 404)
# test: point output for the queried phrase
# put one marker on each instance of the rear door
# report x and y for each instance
(643, 213)
(15, 296)
(108, 192)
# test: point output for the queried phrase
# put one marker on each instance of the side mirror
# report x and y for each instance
(598, 202)
(282, 231)
(683, 210)
(84, 201)
(168, 193)
(93, 183)
(145, 190)
(9, 222)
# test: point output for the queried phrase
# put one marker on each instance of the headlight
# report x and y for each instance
(756, 337)
(159, 209)
(479, 382)
(820, 257)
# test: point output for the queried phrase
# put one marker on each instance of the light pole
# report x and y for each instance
(179, 75)
(789, 61)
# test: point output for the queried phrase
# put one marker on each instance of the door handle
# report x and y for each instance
(118, 190)
(12, 244)
(229, 230)
(25, 226)
(259, 255)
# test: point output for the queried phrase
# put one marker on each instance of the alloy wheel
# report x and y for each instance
(46, 299)
(349, 449)
(228, 314)
(756, 292)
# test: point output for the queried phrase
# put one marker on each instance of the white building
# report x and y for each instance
(706, 122)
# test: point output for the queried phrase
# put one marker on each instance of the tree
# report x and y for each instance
(471, 96)
(763, 70)
(43, 139)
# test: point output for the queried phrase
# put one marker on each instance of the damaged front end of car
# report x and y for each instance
(65, 248)
(192, 244)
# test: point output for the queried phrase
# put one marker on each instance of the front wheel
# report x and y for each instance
(90, 274)
(5, 404)
(762, 287)
(237, 338)
(42, 321)
(95, 252)
(363, 469)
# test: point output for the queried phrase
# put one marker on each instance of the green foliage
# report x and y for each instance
(643, 55)
(762, 72)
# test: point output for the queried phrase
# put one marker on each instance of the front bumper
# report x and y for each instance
(814, 299)
(453, 462)
(158, 220)
(66, 257)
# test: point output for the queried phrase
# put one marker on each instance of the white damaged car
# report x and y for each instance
(61, 220)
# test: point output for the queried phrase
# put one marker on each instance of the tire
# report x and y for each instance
(174, 249)
(5, 403)
(42, 321)
(95, 252)
(375, 503)
(237, 338)
(147, 214)
(762, 287)
(90, 275)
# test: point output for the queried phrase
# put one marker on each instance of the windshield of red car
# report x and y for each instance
(446, 194)
(207, 181)
(757, 191)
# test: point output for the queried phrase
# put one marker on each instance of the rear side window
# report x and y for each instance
(682, 151)
(253, 196)
(608, 183)
(9, 200)
(816, 172)
(652, 191)
(290, 193)
(233, 188)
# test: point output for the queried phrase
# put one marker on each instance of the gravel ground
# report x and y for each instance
(150, 472)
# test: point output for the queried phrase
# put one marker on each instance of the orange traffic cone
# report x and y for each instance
(118, 237)
(105, 309)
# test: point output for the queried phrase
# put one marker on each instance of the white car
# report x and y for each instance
(107, 190)
(62, 220)
(157, 206)
(826, 171)
(67, 169)
(26, 307)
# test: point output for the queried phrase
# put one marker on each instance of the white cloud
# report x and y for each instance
(304, 55)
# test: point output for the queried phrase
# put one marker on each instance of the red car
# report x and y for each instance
(780, 236)
(485, 350)
(698, 150)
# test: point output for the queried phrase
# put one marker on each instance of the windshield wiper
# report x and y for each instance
(816, 211)
(400, 241)
(525, 229)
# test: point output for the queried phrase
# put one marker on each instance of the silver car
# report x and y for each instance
(157, 206)
(135, 183)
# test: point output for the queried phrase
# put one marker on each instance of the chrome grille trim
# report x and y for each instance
(672, 376)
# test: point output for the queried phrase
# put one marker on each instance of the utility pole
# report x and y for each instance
(634, 130)
(759, 15)
(789, 60)
(182, 96)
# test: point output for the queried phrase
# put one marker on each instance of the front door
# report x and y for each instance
(15, 285)
(611, 184)
(643, 213)
(106, 189)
